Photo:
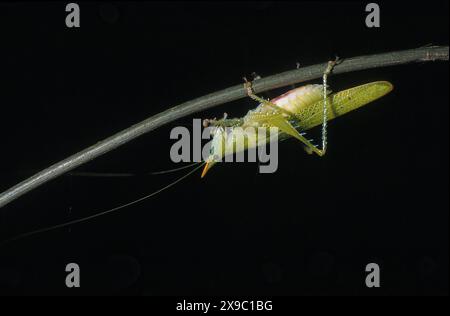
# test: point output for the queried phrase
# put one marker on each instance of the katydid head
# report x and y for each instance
(216, 149)
(228, 141)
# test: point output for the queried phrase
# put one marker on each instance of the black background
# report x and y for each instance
(379, 195)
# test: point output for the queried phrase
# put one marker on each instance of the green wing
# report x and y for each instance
(341, 103)
(311, 115)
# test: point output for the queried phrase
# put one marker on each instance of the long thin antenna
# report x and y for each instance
(91, 174)
(174, 170)
(84, 219)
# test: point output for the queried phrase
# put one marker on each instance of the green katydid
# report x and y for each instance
(293, 113)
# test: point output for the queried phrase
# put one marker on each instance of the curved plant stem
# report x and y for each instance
(423, 54)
